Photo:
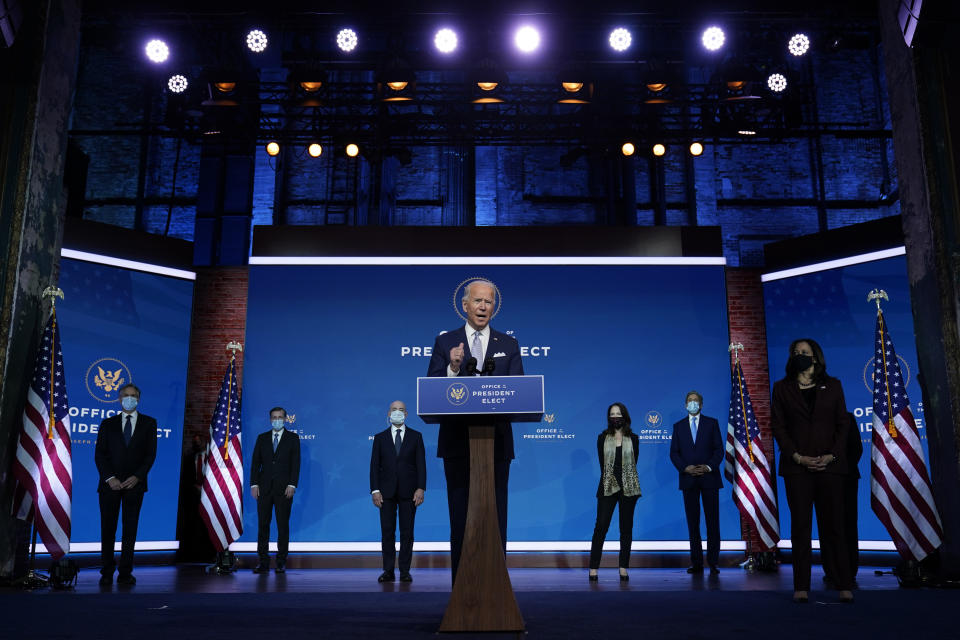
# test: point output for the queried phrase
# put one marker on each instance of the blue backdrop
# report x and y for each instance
(336, 344)
(122, 326)
(831, 307)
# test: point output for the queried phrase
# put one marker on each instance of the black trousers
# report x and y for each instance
(850, 530)
(266, 505)
(605, 507)
(112, 503)
(711, 510)
(824, 492)
(389, 510)
(457, 472)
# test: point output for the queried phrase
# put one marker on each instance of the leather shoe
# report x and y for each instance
(106, 581)
(127, 579)
(281, 567)
(694, 569)
(406, 577)
(386, 576)
(261, 568)
(624, 577)
(594, 577)
(714, 571)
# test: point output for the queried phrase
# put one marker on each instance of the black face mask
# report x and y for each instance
(616, 423)
(800, 362)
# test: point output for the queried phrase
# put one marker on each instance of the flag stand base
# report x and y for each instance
(33, 580)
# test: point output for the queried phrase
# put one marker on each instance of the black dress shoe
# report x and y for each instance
(624, 577)
(714, 571)
(386, 576)
(694, 569)
(261, 568)
(594, 578)
(281, 568)
(127, 579)
(405, 576)
(106, 581)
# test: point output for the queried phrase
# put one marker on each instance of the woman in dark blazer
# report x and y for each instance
(618, 450)
(809, 422)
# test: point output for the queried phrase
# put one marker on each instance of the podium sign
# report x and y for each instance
(482, 398)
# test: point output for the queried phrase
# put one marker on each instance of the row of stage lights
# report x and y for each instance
(627, 149)
(526, 39)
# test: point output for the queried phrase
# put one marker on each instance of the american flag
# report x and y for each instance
(746, 466)
(44, 468)
(221, 497)
(899, 485)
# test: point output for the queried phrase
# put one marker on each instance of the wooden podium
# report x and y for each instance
(482, 598)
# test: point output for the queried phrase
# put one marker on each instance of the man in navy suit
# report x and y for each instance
(398, 478)
(468, 350)
(125, 450)
(274, 473)
(696, 450)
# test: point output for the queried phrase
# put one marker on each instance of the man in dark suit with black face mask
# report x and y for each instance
(125, 450)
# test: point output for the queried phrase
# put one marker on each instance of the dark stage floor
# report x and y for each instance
(556, 603)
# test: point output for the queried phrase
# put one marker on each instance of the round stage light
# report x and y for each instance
(527, 39)
(777, 82)
(659, 149)
(177, 84)
(257, 41)
(273, 148)
(347, 40)
(314, 150)
(696, 148)
(353, 150)
(157, 51)
(400, 85)
(628, 149)
(713, 38)
(799, 44)
(311, 86)
(571, 87)
(620, 39)
(487, 86)
(445, 41)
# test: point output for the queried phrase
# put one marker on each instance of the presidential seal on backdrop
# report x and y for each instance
(105, 377)
(459, 292)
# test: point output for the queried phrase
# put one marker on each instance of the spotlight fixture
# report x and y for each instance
(314, 150)
(226, 86)
(445, 41)
(157, 51)
(575, 92)
(347, 40)
(571, 87)
(311, 86)
(628, 149)
(747, 132)
(799, 44)
(658, 149)
(696, 148)
(487, 77)
(257, 41)
(487, 86)
(527, 39)
(272, 148)
(620, 39)
(657, 93)
(777, 82)
(352, 150)
(177, 84)
(713, 38)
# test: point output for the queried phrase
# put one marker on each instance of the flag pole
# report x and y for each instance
(875, 296)
(232, 347)
(749, 564)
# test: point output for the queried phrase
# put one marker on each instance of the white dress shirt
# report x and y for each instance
(467, 354)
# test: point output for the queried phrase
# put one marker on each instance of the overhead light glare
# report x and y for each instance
(659, 149)
(696, 148)
(352, 150)
(398, 86)
(272, 148)
(257, 41)
(572, 87)
(445, 41)
(777, 82)
(487, 86)
(315, 150)
(628, 149)
(311, 86)
(713, 38)
(620, 39)
(225, 87)
(747, 132)
(157, 51)
(347, 40)
(657, 87)
(527, 39)
(177, 84)
(799, 44)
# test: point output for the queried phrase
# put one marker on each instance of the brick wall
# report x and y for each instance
(219, 316)
(746, 318)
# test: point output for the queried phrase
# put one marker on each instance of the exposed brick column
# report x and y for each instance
(219, 316)
(746, 319)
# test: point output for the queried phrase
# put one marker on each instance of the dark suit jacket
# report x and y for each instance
(708, 449)
(398, 475)
(116, 459)
(270, 471)
(452, 439)
(636, 455)
(810, 433)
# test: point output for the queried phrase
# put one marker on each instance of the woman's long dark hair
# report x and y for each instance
(819, 368)
(626, 419)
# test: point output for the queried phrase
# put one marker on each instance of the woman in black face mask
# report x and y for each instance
(618, 450)
(809, 422)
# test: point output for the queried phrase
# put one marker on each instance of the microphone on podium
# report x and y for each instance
(488, 367)
(471, 366)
